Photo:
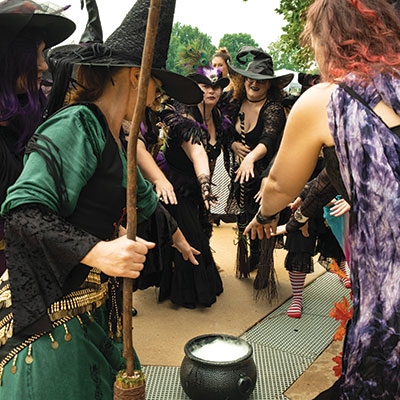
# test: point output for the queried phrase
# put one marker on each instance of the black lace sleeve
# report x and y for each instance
(274, 119)
(318, 193)
(43, 258)
(306, 189)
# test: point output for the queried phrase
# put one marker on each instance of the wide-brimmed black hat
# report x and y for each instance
(209, 76)
(19, 15)
(260, 68)
(124, 48)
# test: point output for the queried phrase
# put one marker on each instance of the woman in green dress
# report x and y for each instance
(59, 321)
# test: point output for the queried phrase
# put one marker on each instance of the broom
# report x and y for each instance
(130, 383)
(242, 254)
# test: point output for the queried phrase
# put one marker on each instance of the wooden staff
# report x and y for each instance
(144, 78)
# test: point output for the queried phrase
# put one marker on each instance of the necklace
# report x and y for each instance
(206, 119)
(255, 101)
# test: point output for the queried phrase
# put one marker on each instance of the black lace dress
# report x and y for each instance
(189, 285)
(268, 131)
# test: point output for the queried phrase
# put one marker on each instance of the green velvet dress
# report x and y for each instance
(71, 194)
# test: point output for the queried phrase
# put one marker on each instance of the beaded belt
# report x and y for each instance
(92, 295)
(5, 309)
(78, 302)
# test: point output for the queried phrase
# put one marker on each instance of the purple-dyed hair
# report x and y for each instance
(22, 112)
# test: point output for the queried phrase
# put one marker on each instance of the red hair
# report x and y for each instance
(359, 36)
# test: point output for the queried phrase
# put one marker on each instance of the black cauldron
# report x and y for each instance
(218, 367)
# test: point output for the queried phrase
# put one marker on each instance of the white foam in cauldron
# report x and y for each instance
(220, 350)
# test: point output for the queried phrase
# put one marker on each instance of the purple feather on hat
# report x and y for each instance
(210, 76)
(212, 73)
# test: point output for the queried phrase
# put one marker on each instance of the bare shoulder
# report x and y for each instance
(310, 111)
(317, 97)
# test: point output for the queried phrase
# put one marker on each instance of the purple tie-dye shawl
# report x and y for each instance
(369, 155)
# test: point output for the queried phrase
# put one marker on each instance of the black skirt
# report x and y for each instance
(185, 284)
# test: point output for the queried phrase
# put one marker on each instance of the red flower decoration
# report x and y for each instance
(342, 311)
(338, 367)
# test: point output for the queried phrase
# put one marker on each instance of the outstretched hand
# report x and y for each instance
(245, 172)
(258, 196)
(283, 229)
(280, 230)
(256, 230)
(205, 185)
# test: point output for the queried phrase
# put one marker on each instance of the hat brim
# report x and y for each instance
(55, 27)
(178, 86)
(279, 81)
(198, 78)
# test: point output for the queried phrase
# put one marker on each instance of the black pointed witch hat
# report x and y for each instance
(124, 48)
(127, 41)
(93, 32)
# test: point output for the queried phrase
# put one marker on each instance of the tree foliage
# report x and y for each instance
(185, 38)
(282, 59)
(233, 42)
(287, 52)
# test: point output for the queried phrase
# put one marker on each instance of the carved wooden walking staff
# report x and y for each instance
(130, 384)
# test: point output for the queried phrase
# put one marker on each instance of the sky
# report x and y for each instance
(212, 17)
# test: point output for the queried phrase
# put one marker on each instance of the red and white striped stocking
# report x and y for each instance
(297, 281)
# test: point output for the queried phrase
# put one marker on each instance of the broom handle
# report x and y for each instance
(144, 78)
